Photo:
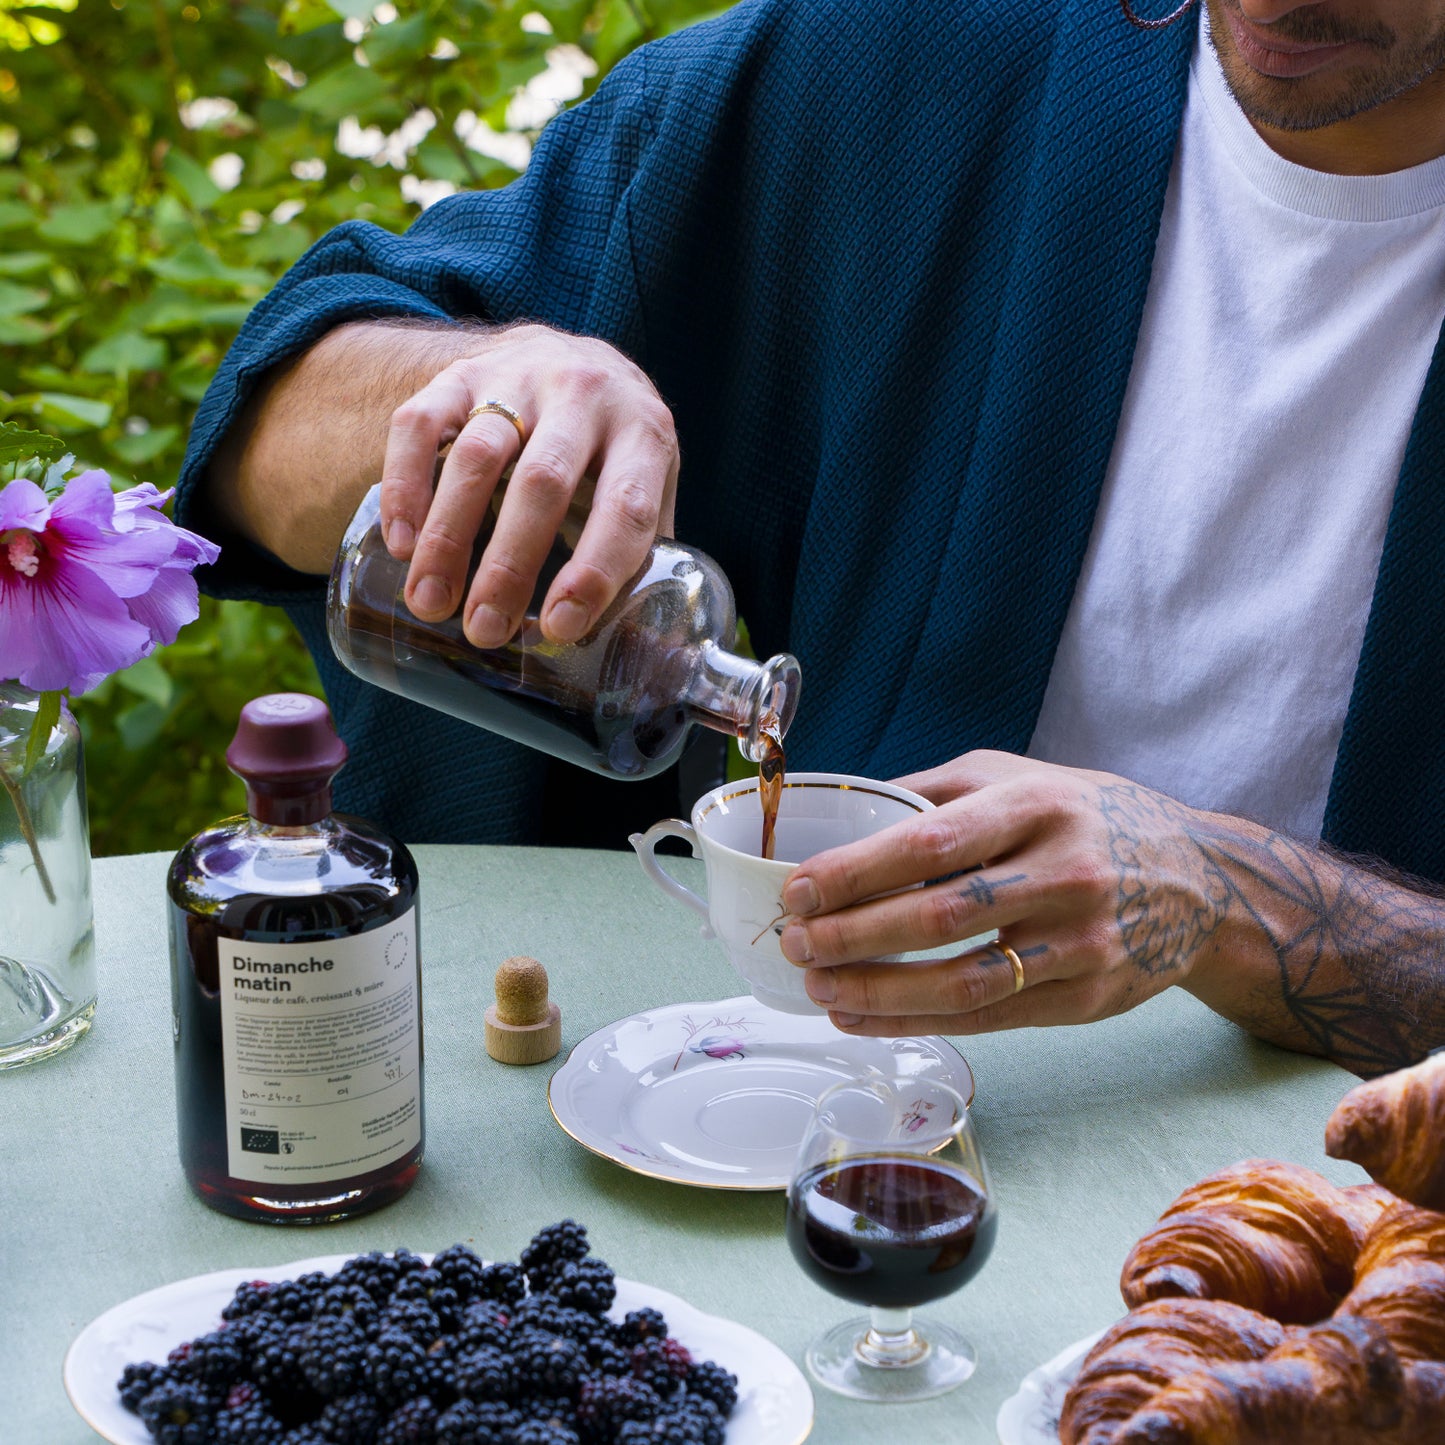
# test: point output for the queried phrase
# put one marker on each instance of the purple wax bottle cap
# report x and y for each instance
(286, 750)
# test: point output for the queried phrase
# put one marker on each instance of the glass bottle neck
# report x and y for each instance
(742, 696)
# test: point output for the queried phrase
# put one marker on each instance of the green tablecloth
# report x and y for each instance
(1089, 1133)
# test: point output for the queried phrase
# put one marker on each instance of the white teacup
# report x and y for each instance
(743, 907)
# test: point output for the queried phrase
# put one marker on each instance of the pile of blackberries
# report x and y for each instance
(391, 1350)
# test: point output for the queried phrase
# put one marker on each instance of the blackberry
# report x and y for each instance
(414, 1317)
(176, 1412)
(137, 1381)
(665, 1430)
(414, 1423)
(350, 1420)
(605, 1401)
(504, 1282)
(330, 1353)
(470, 1423)
(606, 1356)
(303, 1435)
(558, 1244)
(556, 1409)
(542, 1432)
(705, 1415)
(462, 1270)
(349, 1302)
(712, 1382)
(215, 1361)
(395, 1368)
(251, 1333)
(248, 1422)
(545, 1312)
(587, 1285)
(429, 1287)
(251, 1297)
(486, 1322)
(552, 1364)
(486, 1373)
(662, 1368)
(376, 1273)
(638, 1325)
(407, 1263)
(276, 1367)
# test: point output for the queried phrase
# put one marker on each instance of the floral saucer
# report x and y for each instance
(1030, 1416)
(718, 1094)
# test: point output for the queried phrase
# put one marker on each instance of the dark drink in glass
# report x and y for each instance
(889, 1232)
(890, 1206)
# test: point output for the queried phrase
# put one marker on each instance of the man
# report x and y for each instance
(1046, 384)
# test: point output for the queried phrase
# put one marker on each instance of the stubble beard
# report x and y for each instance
(1314, 101)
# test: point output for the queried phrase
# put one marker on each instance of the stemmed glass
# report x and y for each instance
(890, 1206)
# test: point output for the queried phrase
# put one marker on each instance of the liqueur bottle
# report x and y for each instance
(295, 988)
(621, 701)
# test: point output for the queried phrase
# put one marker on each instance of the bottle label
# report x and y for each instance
(321, 1047)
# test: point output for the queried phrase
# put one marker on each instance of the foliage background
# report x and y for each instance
(161, 163)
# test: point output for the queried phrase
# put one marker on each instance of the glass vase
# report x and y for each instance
(47, 938)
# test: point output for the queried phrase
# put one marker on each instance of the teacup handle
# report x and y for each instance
(646, 846)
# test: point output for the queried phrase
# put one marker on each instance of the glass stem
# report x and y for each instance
(27, 830)
(891, 1341)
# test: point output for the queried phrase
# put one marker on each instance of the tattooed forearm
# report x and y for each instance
(1317, 952)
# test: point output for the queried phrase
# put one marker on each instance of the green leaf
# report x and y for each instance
(194, 265)
(145, 446)
(352, 9)
(47, 714)
(17, 300)
(188, 315)
(348, 89)
(300, 16)
(140, 724)
(14, 215)
(193, 180)
(23, 331)
(77, 225)
(23, 263)
(125, 352)
(148, 679)
(73, 410)
(19, 445)
(399, 42)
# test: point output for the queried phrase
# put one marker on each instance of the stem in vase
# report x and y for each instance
(27, 830)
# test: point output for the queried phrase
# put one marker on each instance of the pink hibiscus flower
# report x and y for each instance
(90, 582)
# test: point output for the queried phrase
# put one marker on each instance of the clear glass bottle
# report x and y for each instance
(295, 988)
(622, 701)
(47, 939)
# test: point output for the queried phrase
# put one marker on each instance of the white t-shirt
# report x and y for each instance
(1212, 640)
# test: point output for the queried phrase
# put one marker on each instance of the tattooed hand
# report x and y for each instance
(1108, 893)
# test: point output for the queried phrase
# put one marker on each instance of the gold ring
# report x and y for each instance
(1015, 962)
(500, 408)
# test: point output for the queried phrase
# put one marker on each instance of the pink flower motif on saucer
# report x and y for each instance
(718, 1046)
(917, 1116)
(714, 1046)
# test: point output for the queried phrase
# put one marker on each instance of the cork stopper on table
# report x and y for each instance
(523, 1026)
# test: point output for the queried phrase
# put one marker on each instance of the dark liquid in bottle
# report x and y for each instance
(202, 911)
(771, 769)
(889, 1232)
(612, 703)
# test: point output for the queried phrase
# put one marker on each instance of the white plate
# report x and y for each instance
(719, 1094)
(775, 1405)
(1031, 1416)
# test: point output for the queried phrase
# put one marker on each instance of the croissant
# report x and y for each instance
(1400, 1281)
(1393, 1127)
(1335, 1383)
(1150, 1348)
(1272, 1237)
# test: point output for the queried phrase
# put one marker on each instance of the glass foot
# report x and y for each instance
(39, 1020)
(856, 1360)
